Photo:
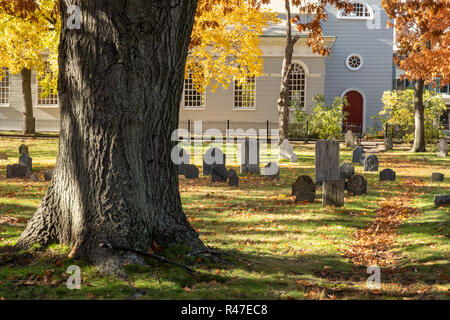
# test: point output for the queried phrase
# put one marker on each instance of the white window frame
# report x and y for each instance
(7, 92)
(305, 73)
(235, 91)
(366, 9)
(349, 67)
(49, 98)
(202, 94)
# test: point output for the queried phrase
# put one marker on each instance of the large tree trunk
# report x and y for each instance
(28, 119)
(283, 101)
(120, 86)
(419, 115)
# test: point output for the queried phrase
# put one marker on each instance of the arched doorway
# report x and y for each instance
(355, 111)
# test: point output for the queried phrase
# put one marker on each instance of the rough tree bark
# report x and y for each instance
(120, 85)
(283, 101)
(419, 115)
(28, 119)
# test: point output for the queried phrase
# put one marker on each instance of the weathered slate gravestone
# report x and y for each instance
(371, 163)
(304, 189)
(191, 171)
(350, 139)
(287, 151)
(26, 161)
(333, 193)
(388, 144)
(213, 156)
(23, 149)
(271, 171)
(48, 174)
(181, 159)
(347, 170)
(327, 160)
(3, 156)
(357, 185)
(437, 177)
(219, 173)
(17, 171)
(249, 152)
(357, 154)
(442, 149)
(233, 179)
(387, 175)
(442, 200)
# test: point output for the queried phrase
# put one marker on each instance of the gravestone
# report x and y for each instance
(181, 159)
(371, 163)
(304, 189)
(347, 170)
(17, 171)
(191, 171)
(23, 149)
(48, 174)
(213, 156)
(388, 144)
(387, 175)
(327, 160)
(219, 173)
(437, 177)
(333, 193)
(442, 149)
(3, 156)
(357, 154)
(287, 151)
(442, 200)
(357, 185)
(233, 179)
(271, 171)
(249, 151)
(350, 139)
(26, 161)
(34, 177)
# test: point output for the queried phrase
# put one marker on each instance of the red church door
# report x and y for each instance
(354, 111)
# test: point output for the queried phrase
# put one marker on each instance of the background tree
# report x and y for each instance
(23, 37)
(422, 29)
(308, 20)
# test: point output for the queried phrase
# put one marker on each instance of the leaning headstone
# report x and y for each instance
(388, 144)
(219, 173)
(442, 149)
(213, 156)
(191, 171)
(271, 171)
(357, 154)
(3, 156)
(17, 171)
(181, 159)
(357, 185)
(304, 189)
(347, 170)
(442, 200)
(26, 161)
(23, 149)
(387, 175)
(249, 151)
(437, 177)
(333, 193)
(350, 139)
(371, 163)
(48, 175)
(233, 179)
(327, 160)
(287, 151)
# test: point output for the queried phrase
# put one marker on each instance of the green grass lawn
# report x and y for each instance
(275, 248)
